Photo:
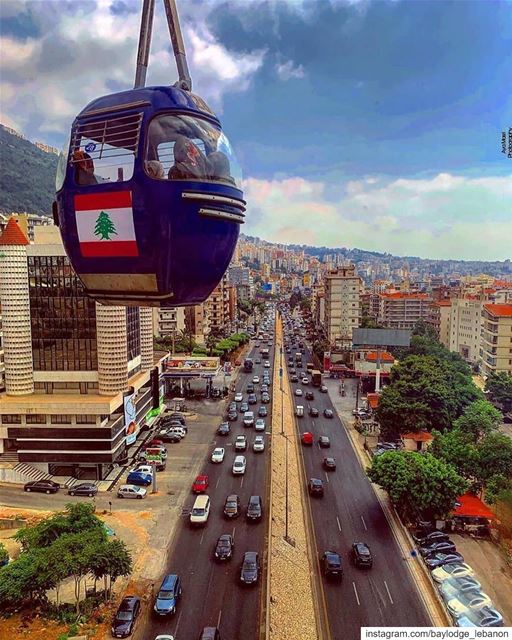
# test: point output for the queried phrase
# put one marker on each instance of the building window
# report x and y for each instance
(84, 419)
(11, 418)
(133, 332)
(58, 419)
(36, 419)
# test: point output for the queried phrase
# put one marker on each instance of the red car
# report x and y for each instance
(237, 363)
(307, 438)
(200, 484)
(153, 443)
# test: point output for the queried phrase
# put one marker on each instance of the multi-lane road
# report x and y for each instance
(212, 592)
(350, 512)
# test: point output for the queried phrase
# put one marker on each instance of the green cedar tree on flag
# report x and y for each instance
(104, 226)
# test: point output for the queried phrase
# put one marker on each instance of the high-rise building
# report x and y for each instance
(401, 310)
(465, 327)
(496, 345)
(342, 304)
(218, 310)
(168, 321)
(440, 315)
(73, 368)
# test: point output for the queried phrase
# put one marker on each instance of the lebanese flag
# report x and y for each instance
(105, 225)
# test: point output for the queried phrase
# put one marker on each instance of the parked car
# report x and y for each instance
(259, 425)
(83, 489)
(224, 547)
(258, 444)
(143, 467)
(139, 478)
(168, 595)
(239, 396)
(249, 571)
(361, 555)
(254, 511)
(435, 536)
(331, 564)
(324, 442)
(218, 455)
(239, 465)
(329, 464)
(126, 615)
(172, 437)
(200, 484)
(307, 439)
(240, 443)
(438, 559)
(453, 586)
(464, 603)
(131, 491)
(446, 546)
(456, 569)
(315, 487)
(484, 617)
(42, 486)
(328, 413)
(224, 428)
(232, 506)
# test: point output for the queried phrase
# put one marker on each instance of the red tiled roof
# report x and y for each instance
(500, 310)
(13, 235)
(443, 303)
(503, 284)
(472, 506)
(371, 356)
(418, 436)
(373, 400)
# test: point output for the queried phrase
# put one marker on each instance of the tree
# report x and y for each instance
(497, 485)
(4, 554)
(422, 328)
(458, 449)
(419, 485)
(479, 419)
(104, 226)
(499, 388)
(495, 455)
(112, 559)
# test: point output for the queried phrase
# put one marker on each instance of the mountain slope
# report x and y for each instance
(27, 175)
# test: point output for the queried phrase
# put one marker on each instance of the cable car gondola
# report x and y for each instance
(149, 200)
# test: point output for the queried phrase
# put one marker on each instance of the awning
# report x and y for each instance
(471, 506)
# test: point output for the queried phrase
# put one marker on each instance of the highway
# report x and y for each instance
(349, 512)
(212, 592)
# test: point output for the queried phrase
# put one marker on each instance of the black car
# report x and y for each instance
(171, 437)
(361, 555)
(175, 416)
(224, 547)
(252, 399)
(224, 429)
(435, 536)
(445, 546)
(42, 486)
(254, 511)
(328, 413)
(244, 406)
(83, 489)
(315, 487)
(329, 464)
(232, 506)
(313, 412)
(262, 412)
(332, 567)
(249, 571)
(439, 559)
(324, 442)
(309, 395)
(125, 618)
(232, 416)
(170, 424)
(250, 388)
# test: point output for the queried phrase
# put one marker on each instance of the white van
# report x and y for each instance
(248, 419)
(200, 510)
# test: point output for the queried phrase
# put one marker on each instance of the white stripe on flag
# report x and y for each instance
(122, 219)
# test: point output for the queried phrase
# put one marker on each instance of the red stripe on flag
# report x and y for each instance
(105, 200)
(109, 249)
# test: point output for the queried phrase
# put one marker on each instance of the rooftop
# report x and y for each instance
(499, 310)
(13, 235)
(406, 296)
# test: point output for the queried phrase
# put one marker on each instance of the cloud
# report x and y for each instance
(444, 217)
(287, 71)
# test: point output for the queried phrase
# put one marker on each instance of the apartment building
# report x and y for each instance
(81, 379)
(342, 305)
(2, 364)
(167, 322)
(439, 319)
(496, 343)
(401, 310)
(196, 321)
(218, 309)
(465, 327)
(27, 222)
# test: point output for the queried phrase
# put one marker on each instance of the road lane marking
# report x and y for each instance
(234, 529)
(389, 595)
(178, 623)
(326, 477)
(339, 523)
(364, 524)
(355, 591)
(218, 619)
(202, 536)
(217, 484)
(242, 482)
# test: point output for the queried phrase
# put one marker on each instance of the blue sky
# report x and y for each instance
(368, 124)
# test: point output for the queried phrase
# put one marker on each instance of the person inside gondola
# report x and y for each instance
(84, 168)
(190, 163)
(155, 169)
(219, 166)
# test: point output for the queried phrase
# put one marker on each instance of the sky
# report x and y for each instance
(358, 123)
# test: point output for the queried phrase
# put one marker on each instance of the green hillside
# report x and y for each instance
(27, 176)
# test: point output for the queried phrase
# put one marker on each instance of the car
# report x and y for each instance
(224, 547)
(83, 489)
(177, 430)
(232, 506)
(446, 546)
(264, 387)
(239, 397)
(298, 392)
(323, 389)
(332, 566)
(464, 603)
(313, 412)
(210, 633)
(438, 559)
(329, 464)
(250, 388)
(259, 425)
(307, 438)
(239, 464)
(305, 380)
(200, 484)
(258, 444)
(200, 511)
(361, 555)
(248, 419)
(131, 491)
(257, 361)
(255, 379)
(249, 571)
(435, 536)
(139, 478)
(126, 616)
(232, 406)
(252, 398)
(224, 429)
(155, 442)
(315, 487)
(265, 397)
(240, 443)
(42, 486)
(175, 415)
(267, 364)
(218, 454)
(254, 511)
(455, 569)
(143, 468)
(262, 412)
(484, 617)
(453, 586)
(328, 413)
(232, 416)
(309, 395)
(172, 437)
(294, 378)
(170, 424)
(244, 407)
(324, 442)
(168, 595)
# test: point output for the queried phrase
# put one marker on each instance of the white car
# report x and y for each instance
(465, 603)
(298, 392)
(239, 465)
(239, 397)
(240, 443)
(305, 380)
(144, 468)
(164, 636)
(260, 425)
(267, 364)
(258, 444)
(454, 570)
(131, 491)
(218, 454)
(255, 379)
(454, 586)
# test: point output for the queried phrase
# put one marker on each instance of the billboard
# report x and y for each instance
(381, 337)
(192, 366)
(266, 286)
(130, 414)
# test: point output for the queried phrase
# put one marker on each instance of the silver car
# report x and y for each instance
(452, 587)
(131, 491)
(258, 444)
